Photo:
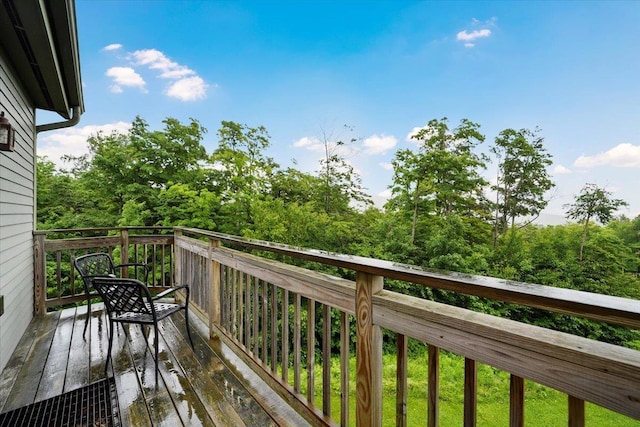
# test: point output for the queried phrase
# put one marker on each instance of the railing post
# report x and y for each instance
(214, 295)
(177, 256)
(124, 250)
(39, 274)
(368, 353)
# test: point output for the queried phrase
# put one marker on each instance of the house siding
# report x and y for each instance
(17, 212)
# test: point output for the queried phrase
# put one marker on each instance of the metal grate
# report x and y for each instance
(93, 405)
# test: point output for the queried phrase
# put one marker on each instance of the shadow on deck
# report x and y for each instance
(207, 386)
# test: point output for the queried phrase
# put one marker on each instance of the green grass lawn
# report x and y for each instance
(543, 406)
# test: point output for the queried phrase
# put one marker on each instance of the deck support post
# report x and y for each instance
(368, 353)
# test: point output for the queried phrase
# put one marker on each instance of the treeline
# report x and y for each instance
(439, 214)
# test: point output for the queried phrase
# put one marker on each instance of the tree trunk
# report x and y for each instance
(584, 237)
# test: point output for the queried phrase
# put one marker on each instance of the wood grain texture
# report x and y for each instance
(576, 412)
(401, 380)
(345, 354)
(621, 311)
(554, 359)
(326, 360)
(433, 387)
(367, 388)
(470, 392)
(516, 401)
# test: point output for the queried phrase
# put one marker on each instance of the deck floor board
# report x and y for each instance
(195, 386)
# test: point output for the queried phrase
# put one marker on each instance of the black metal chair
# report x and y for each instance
(101, 264)
(130, 301)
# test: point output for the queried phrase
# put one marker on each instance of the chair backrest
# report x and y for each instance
(124, 295)
(97, 264)
(93, 265)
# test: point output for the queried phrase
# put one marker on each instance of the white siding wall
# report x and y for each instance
(17, 206)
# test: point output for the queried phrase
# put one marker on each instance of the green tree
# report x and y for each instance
(593, 203)
(58, 196)
(241, 172)
(442, 178)
(522, 179)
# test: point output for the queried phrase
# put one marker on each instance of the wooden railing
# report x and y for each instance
(56, 282)
(280, 318)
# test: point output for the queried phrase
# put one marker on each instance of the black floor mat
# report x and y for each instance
(95, 405)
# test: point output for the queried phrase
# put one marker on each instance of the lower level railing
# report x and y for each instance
(299, 329)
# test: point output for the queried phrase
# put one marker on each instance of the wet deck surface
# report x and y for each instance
(198, 387)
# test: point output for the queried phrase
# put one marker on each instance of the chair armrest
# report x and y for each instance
(170, 291)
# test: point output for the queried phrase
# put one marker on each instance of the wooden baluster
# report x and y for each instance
(264, 322)
(311, 350)
(247, 312)
(59, 272)
(215, 301)
(470, 392)
(285, 336)
(345, 332)
(326, 360)
(516, 402)
(401, 380)
(274, 328)
(433, 387)
(124, 250)
(256, 318)
(241, 286)
(576, 412)
(297, 326)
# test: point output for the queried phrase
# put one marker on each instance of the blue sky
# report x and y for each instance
(304, 69)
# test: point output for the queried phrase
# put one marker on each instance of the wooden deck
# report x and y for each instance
(205, 387)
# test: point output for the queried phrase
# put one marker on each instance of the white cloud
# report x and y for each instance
(622, 156)
(157, 60)
(185, 84)
(188, 89)
(73, 141)
(376, 144)
(386, 194)
(125, 76)
(306, 141)
(113, 46)
(481, 30)
(315, 145)
(387, 166)
(473, 35)
(560, 170)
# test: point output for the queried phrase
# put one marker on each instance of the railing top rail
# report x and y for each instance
(93, 229)
(617, 310)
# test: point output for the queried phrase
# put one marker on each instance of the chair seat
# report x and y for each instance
(162, 310)
(130, 301)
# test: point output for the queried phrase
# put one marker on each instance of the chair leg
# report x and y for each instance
(186, 320)
(86, 320)
(110, 332)
(156, 345)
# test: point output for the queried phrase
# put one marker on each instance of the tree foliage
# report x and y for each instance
(593, 203)
(437, 217)
(522, 179)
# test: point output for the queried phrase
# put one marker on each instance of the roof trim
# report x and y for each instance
(41, 41)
